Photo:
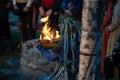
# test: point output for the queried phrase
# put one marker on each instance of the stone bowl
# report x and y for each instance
(48, 44)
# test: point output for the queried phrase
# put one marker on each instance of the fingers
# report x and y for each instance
(41, 11)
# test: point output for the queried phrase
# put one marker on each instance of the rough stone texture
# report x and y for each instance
(32, 63)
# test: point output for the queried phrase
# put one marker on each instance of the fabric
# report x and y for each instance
(116, 73)
(114, 27)
(35, 14)
(113, 45)
(55, 6)
(108, 69)
(105, 33)
(54, 53)
(26, 21)
(116, 47)
(77, 10)
(5, 35)
(116, 14)
(20, 10)
(111, 66)
(77, 7)
(29, 3)
(47, 3)
(112, 39)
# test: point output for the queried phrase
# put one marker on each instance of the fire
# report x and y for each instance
(47, 33)
(45, 19)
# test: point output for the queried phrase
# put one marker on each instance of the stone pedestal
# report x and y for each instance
(32, 63)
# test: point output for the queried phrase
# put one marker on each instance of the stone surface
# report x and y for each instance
(32, 63)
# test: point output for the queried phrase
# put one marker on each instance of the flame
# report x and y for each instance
(47, 32)
(44, 19)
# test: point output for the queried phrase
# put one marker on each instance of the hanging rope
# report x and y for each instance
(70, 32)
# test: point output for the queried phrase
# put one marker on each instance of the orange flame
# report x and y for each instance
(47, 32)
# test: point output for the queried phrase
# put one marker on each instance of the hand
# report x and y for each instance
(49, 12)
(41, 11)
(15, 7)
(69, 12)
(26, 9)
(112, 27)
(109, 29)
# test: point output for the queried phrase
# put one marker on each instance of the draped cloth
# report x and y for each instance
(114, 27)
(115, 32)
(47, 3)
(113, 37)
(105, 33)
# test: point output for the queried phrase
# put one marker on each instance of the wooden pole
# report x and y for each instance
(88, 39)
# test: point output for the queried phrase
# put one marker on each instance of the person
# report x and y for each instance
(105, 33)
(52, 9)
(112, 59)
(6, 43)
(114, 27)
(65, 52)
(73, 7)
(112, 63)
(23, 8)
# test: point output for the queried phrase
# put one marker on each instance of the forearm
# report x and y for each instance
(14, 2)
(29, 3)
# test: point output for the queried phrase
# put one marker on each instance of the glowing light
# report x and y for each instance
(47, 33)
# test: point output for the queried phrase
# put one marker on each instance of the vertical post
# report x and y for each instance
(88, 39)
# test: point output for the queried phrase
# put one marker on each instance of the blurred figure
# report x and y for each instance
(114, 27)
(35, 13)
(5, 35)
(105, 32)
(112, 63)
(23, 8)
(50, 8)
(73, 7)
(111, 68)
